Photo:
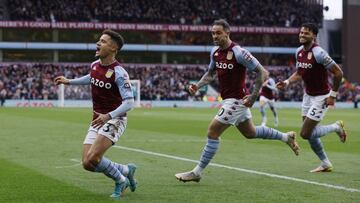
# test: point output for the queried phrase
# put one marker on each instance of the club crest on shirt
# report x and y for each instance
(94, 68)
(109, 73)
(216, 54)
(229, 55)
(309, 56)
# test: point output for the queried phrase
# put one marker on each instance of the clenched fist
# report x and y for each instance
(193, 88)
(282, 85)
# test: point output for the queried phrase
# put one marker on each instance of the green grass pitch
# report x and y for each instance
(40, 151)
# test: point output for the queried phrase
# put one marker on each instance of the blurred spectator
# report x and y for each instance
(246, 12)
(357, 97)
(1, 15)
(3, 93)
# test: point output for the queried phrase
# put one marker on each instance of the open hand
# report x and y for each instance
(61, 80)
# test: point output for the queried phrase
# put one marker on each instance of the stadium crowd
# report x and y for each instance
(29, 81)
(190, 38)
(246, 13)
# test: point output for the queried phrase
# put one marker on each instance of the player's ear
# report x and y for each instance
(114, 46)
(227, 32)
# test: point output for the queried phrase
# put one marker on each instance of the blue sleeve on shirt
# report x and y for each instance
(125, 106)
(84, 80)
(297, 51)
(245, 58)
(271, 84)
(122, 81)
(212, 62)
(322, 57)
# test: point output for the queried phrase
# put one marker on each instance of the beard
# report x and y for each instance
(304, 42)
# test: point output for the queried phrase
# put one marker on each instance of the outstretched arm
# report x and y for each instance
(84, 80)
(261, 74)
(61, 80)
(293, 78)
(207, 78)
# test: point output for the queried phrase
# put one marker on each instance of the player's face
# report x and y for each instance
(306, 36)
(220, 37)
(104, 46)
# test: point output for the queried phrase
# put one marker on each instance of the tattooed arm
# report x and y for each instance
(208, 77)
(338, 75)
(261, 75)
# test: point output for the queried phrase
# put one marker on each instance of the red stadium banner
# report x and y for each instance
(142, 27)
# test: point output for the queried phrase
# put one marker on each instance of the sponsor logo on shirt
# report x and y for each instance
(303, 65)
(224, 65)
(100, 83)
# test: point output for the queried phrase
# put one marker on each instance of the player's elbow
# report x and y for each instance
(338, 73)
(130, 103)
(266, 74)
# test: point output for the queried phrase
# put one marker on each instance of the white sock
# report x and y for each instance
(326, 162)
(285, 138)
(197, 170)
(125, 170)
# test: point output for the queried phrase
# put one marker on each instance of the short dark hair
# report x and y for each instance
(223, 23)
(312, 27)
(118, 39)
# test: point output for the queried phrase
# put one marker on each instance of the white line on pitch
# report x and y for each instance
(70, 166)
(338, 187)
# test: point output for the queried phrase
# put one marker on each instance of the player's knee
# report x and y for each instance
(249, 134)
(213, 134)
(305, 135)
(90, 162)
(87, 165)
